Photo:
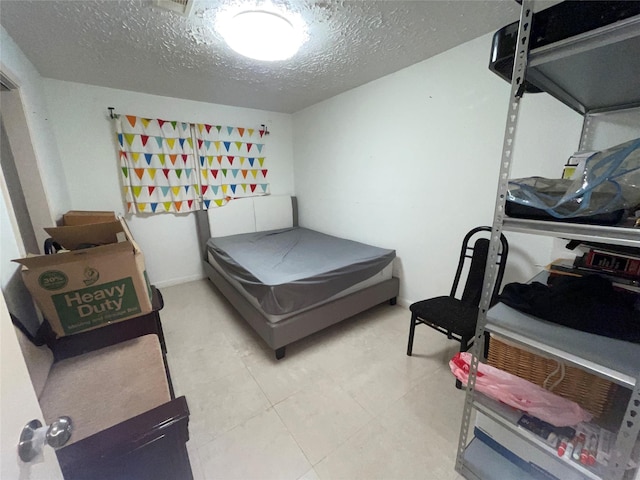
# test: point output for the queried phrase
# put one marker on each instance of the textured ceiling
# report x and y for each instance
(134, 45)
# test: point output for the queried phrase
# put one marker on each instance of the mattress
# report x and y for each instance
(292, 269)
(385, 274)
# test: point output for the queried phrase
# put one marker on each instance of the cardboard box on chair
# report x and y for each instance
(102, 279)
(84, 217)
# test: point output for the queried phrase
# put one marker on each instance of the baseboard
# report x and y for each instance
(403, 302)
(178, 281)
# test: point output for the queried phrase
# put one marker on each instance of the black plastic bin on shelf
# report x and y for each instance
(556, 23)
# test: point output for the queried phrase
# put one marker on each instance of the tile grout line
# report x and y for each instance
(292, 436)
(382, 328)
(273, 407)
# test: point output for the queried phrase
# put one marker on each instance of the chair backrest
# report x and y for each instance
(477, 253)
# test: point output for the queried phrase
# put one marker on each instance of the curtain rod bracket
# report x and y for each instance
(265, 129)
(111, 114)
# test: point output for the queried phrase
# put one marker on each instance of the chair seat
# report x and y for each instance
(451, 314)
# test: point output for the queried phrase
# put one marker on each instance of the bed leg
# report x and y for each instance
(280, 353)
(393, 301)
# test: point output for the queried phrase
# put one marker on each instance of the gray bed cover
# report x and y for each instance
(290, 269)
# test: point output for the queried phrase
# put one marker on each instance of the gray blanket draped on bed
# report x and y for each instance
(290, 269)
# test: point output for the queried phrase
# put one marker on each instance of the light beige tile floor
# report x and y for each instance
(345, 403)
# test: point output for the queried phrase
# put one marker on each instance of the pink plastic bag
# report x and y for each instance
(519, 393)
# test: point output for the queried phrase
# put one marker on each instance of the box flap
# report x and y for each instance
(84, 217)
(74, 237)
(42, 261)
(128, 235)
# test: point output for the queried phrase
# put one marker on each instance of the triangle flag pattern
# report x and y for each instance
(212, 167)
(148, 146)
(227, 180)
(231, 146)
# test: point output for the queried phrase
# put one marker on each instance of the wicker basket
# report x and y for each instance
(589, 391)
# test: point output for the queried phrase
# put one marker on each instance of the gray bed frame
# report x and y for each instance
(280, 334)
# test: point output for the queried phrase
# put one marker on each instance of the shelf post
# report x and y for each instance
(627, 435)
(491, 271)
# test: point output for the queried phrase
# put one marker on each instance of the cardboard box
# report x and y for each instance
(85, 217)
(89, 287)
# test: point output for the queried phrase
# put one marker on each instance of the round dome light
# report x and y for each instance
(261, 35)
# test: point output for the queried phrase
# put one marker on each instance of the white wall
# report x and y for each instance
(15, 293)
(36, 138)
(408, 161)
(411, 161)
(612, 129)
(86, 139)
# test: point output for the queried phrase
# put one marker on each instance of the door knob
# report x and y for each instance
(59, 432)
(30, 442)
(34, 436)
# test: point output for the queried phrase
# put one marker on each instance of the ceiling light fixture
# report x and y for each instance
(262, 33)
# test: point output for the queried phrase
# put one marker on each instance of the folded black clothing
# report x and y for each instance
(588, 303)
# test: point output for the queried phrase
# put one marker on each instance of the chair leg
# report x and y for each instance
(412, 329)
(464, 341)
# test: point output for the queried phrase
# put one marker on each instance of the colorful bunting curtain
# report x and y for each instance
(157, 165)
(160, 172)
(232, 163)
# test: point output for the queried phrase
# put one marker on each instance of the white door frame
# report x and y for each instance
(18, 401)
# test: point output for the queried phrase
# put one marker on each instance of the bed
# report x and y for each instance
(286, 281)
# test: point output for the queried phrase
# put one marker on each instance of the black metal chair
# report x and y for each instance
(457, 318)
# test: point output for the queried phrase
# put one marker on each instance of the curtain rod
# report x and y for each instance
(114, 115)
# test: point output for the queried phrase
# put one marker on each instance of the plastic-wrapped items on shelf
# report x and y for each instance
(607, 189)
(519, 393)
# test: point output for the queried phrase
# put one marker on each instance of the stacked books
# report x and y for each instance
(622, 269)
(612, 262)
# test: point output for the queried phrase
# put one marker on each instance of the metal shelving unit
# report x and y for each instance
(589, 72)
(593, 73)
(612, 359)
(508, 417)
(625, 236)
